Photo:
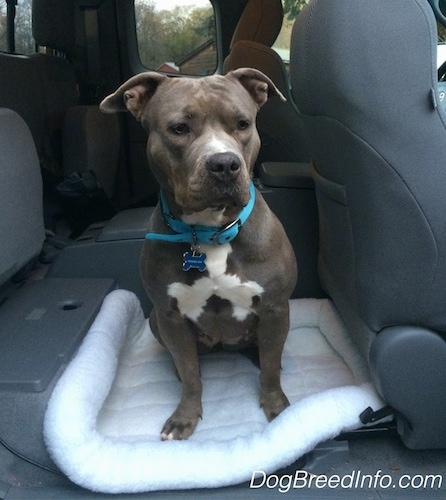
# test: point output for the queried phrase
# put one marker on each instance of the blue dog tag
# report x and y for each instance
(194, 260)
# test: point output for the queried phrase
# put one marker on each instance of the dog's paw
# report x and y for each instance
(179, 426)
(274, 403)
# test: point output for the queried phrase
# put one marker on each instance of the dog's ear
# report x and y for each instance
(134, 94)
(257, 84)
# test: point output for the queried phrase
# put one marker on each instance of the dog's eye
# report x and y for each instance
(180, 129)
(243, 124)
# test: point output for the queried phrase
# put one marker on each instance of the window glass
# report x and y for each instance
(24, 43)
(291, 9)
(3, 45)
(176, 36)
(441, 49)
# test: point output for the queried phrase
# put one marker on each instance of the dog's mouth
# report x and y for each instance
(215, 198)
(218, 208)
(233, 194)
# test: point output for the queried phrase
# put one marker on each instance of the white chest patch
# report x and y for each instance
(192, 299)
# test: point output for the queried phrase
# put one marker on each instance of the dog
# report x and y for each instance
(216, 263)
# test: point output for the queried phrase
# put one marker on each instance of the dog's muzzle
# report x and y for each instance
(224, 167)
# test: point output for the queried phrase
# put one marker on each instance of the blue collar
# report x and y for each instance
(204, 235)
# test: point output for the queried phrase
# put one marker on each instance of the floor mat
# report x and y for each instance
(103, 421)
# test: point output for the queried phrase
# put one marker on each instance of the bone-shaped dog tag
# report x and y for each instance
(194, 260)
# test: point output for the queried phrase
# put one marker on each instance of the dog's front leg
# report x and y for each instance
(176, 334)
(272, 331)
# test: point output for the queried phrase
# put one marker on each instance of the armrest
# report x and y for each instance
(286, 175)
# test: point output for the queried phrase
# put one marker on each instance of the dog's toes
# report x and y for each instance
(274, 403)
(176, 431)
(178, 427)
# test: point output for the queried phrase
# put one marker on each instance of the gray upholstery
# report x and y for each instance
(364, 76)
(21, 90)
(21, 221)
(279, 123)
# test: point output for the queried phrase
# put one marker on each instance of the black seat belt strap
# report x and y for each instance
(95, 79)
(10, 19)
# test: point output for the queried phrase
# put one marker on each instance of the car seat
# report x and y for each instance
(364, 76)
(42, 319)
(279, 123)
(21, 221)
(79, 137)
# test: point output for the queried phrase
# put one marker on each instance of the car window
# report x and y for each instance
(3, 45)
(441, 49)
(176, 36)
(24, 42)
(291, 9)
(23, 39)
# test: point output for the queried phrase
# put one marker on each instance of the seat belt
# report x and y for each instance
(95, 79)
(10, 27)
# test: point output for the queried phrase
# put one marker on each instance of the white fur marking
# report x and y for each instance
(192, 299)
(216, 258)
(207, 217)
(216, 145)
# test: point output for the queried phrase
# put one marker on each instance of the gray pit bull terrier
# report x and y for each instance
(217, 264)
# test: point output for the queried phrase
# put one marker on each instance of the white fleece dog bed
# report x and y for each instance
(103, 421)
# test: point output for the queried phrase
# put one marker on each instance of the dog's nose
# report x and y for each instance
(224, 167)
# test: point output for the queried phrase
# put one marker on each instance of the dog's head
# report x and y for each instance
(203, 140)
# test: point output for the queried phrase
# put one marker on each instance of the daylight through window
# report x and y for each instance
(176, 36)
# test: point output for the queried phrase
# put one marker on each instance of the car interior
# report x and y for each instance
(351, 163)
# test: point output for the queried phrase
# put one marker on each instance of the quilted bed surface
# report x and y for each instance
(103, 422)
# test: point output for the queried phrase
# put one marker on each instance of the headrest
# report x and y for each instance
(54, 24)
(260, 22)
(260, 57)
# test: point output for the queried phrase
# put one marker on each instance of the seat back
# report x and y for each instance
(364, 76)
(21, 90)
(279, 123)
(21, 222)
(368, 94)
(76, 133)
(260, 22)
